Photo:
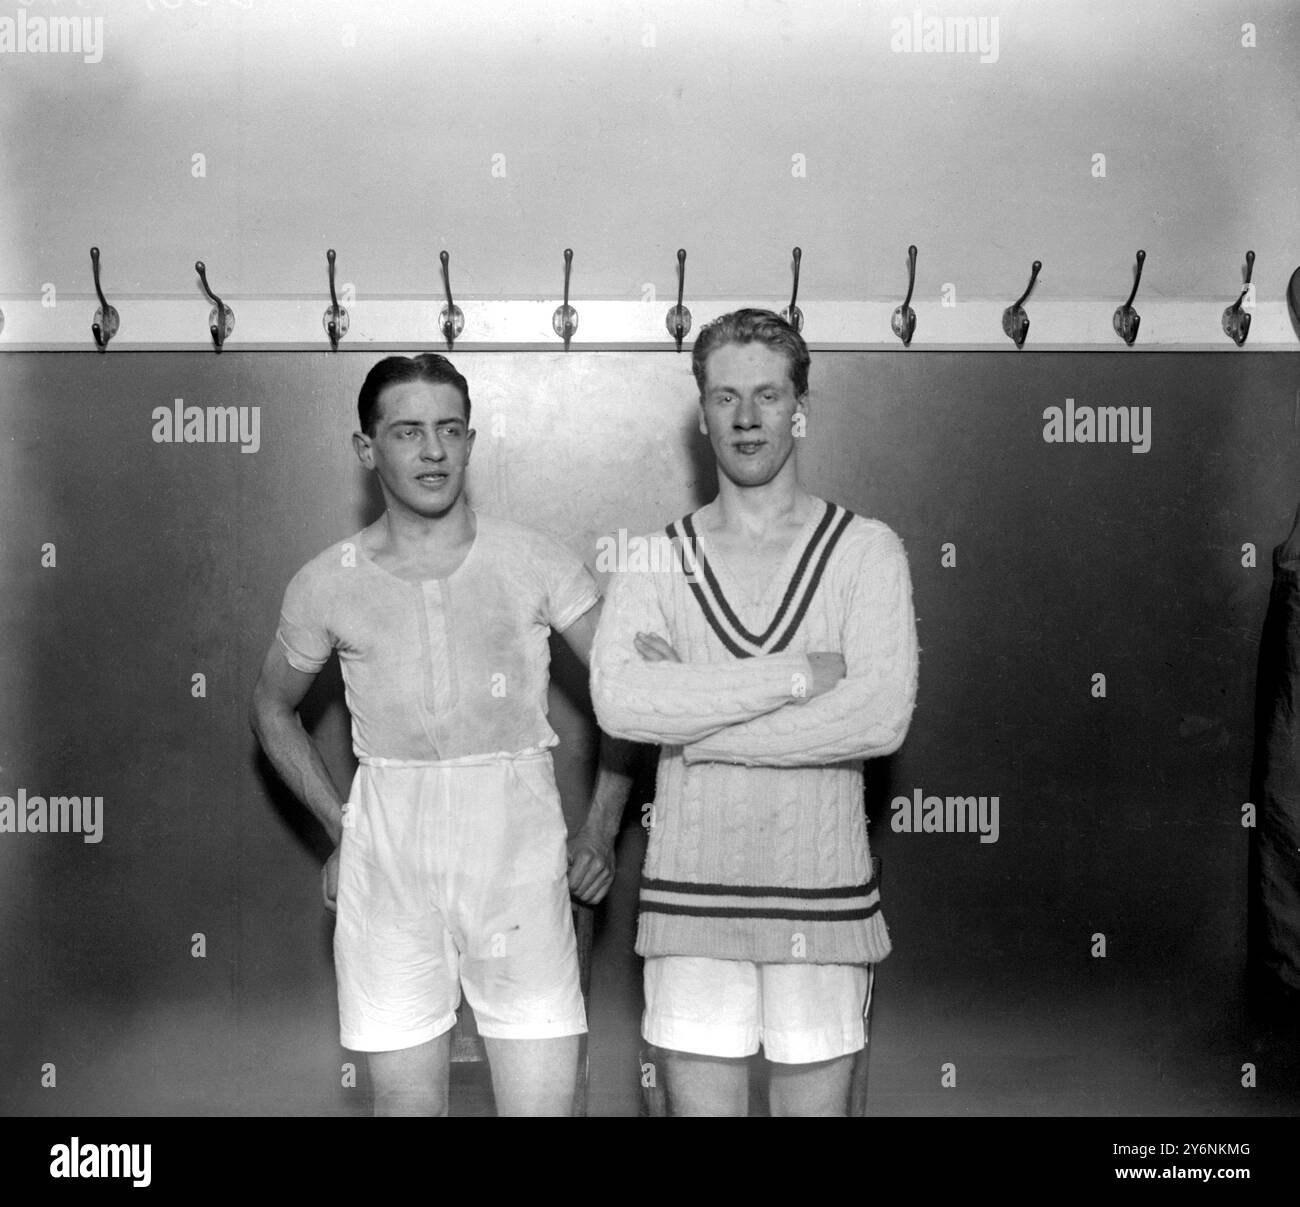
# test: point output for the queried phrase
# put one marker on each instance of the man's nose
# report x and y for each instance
(433, 450)
(746, 414)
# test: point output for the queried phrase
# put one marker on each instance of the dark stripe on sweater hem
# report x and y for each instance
(793, 915)
(758, 890)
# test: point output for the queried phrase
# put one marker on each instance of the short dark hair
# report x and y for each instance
(428, 366)
(753, 327)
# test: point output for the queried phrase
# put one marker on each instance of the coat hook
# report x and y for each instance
(1015, 322)
(1127, 320)
(904, 318)
(335, 319)
(451, 319)
(565, 319)
(1293, 296)
(105, 323)
(678, 321)
(1236, 321)
(792, 314)
(219, 311)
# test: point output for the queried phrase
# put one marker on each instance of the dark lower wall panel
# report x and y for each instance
(1117, 815)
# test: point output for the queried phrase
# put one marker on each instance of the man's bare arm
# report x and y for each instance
(591, 849)
(274, 718)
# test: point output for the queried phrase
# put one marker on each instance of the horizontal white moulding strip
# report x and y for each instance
(412, 323)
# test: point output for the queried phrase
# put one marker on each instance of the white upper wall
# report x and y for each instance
(626, 130)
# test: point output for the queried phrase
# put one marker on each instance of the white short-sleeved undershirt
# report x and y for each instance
(445, 668)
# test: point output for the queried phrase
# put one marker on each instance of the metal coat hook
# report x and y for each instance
(221, 319)
(1127, 320)
(1015, 322)
(792, 314)
(451, 319)
(678, 320)
(565, 319)
(1236, 321)
(1292, 296)
(904, 318)
(335, 319)
(106, 321)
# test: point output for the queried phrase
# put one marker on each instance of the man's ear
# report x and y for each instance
(704, 422)
(469, 443)
(365, 453)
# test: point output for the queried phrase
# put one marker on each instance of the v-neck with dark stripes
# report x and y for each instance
(813, 552)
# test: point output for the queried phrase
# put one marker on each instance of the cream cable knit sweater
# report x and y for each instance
(758, 844)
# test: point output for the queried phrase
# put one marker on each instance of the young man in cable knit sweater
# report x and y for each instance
(767, 660)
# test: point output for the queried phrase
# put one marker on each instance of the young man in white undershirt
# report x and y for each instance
(451, 868)
(776, 654)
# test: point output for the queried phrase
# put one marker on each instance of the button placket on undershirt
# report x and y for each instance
(439, 671)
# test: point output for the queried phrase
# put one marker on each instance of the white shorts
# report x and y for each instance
(800, 1013)
(455, 874)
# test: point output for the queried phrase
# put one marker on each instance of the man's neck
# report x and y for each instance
(753, 511)
(407, 534)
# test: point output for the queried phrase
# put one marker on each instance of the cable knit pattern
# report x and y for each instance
(758, 848)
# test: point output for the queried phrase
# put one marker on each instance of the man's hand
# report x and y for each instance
(654, 648)
(828, 669)
(591, 867)
(329, 882)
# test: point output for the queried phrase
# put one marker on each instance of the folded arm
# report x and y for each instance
(673, 703)
(867, 713)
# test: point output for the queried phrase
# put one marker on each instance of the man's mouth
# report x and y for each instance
(748, 448)
(431, 479)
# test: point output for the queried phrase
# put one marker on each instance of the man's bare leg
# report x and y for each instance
(534, 1076)
(811, 1089)
(713, 1086)
(412, 1081)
